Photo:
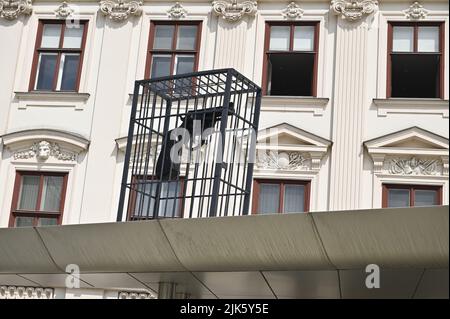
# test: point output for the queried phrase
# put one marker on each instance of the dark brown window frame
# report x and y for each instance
(133, 195)
(173, 51)
(416, 25)
(292, 24)
(36, 214)
(59, 51)
(412, 188)
(282, 183)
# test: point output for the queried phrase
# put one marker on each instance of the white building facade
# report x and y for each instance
(355, 92)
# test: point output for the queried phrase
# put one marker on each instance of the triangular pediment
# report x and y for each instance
(412, 140)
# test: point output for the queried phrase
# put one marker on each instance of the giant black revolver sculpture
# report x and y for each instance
(166, 168)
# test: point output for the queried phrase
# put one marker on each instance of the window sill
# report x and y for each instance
(51, 99)
(411, 106)
(314, 105)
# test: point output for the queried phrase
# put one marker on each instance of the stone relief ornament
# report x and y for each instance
(292, 11)
(414, 166)
(12, 9)
(64, 11)
(233, 11)
(177, 11)
(43, 150)
(120, 10)
(416, 12)
(353, 10)
(282, 160)
(13, 292)
(135, 295)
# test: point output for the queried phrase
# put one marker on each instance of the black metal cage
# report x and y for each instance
(191, 146)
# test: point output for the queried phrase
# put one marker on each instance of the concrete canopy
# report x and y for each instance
(313, 255)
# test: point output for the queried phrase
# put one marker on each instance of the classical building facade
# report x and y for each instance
(354, 92)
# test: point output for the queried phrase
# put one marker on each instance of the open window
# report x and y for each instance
(415, 60)
(290, 62)
(280, 196)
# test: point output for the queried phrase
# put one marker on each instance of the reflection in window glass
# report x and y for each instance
(46, 71)
(22, 221)
(428, 39)
(403, 39)
(398, 198)
(160, 65)
(294, 198)
(29, 191)
(186, 37)
(68, 72)
(163, 36)
(50, 36)
(269, 198)
(73, 36)
(279, 38)
(304, 38)
(425, 197)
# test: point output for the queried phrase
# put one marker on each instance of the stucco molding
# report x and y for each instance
(177, 11)
(411, 106)
(410, 152)
(232, 10)
(51, 99)
(20, 292)
(12, 9)
(294, 104)
(135, 295)
(43, 150)
(353, 10)
(416, 12)
(292, 11)
(64, 10)
(120, 10)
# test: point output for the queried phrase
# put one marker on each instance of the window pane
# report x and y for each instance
(186, 37)
(279, 37)
(398, 198)
(46, 71)
(269, 198)
(403, 39)
(51, 193)
(304, 38)
(145, 199)
(163, 37)
(161, 65)
(169, 207)
(73, 36)
(184, 64)
(50, 36)
(428, 39)
(425, 197)
(68, 71)
(294, 198)
(24, 221)
(44, 221)
(28, 192)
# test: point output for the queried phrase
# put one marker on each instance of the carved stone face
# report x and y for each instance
(43, 152)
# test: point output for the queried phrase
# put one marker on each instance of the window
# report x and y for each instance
(173, 48)
(411, 195)
(274, 196)
(143, 198)
(415, 60)
(290, 61)
(58, 56)
(38, 199)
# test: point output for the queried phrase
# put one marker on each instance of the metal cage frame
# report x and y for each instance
(209, 117)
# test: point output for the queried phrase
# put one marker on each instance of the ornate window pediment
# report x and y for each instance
(353, 10)
(288, 148)
(42, 145)
(410, 152)
(120, 10)
(232, 10)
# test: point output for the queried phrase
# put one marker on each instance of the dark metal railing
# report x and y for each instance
(191, 146)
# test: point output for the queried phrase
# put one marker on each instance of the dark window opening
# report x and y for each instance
(415, 66)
